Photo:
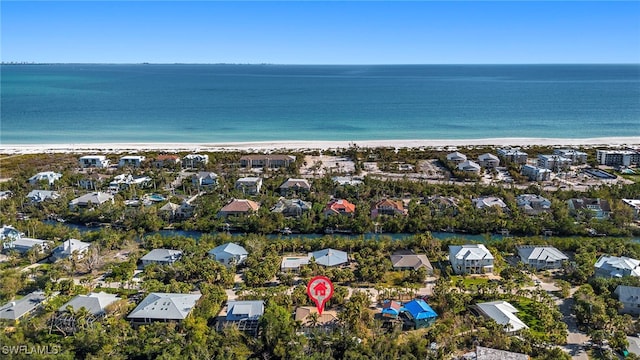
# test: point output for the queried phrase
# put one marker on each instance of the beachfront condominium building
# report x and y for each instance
(267, 161)
(131, 160)
(618, 157)
(193, 161)
(97, 161)
(513, 155)
(488, 161)
(553, 162)
(577, 157)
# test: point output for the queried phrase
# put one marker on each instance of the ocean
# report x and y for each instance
(149, 103)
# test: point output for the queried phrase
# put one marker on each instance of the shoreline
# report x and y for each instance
(261, 146)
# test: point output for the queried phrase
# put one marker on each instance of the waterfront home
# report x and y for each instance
(13, 240)
(164, 307)
(541, 257)
(629, 296)
(532, 204)
(469, 166)
(513, 155)
(291, 207)
(577, 157)
(597, 208)
(293, 263)
(194, 161)
(439, 203)
(17, 309)
(173, 211)
(68, 248)
(166, 160)
(205, 179)
(90, 200)
(618, 157)
(634, 204)
(161, 257)
(420, 313)
(249, 185)
(329, 257)
(388, 207)
(97, 161)
(229, 254)
(407, 260)
(554, 162)
(488, 161)
(49, 177)
(616, 267)
(267, 161)
(470, 259)
(488, 202)
(502, 313)
(238, 207)
(38, 196)
(339, 207)
(456, 157)
(294, 186)
(534, 173)
(131, 160)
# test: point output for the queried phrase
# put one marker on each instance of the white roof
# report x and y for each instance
(71, 245)
(487, 156)
(165, 306)
(96, 198)
(248, 180)
(470, 252)
(90, 157)
(231, 249)
(546, 253)
(133, 157)
(162, 255)
(50, 176)
(469, 165)
(95, 303)
(456, 156)
(618, 265)
(329, 257)
(487, 201)
(294, 262)
(504, 314)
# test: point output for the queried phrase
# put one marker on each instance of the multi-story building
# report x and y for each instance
(554, 162)
(513, 155)
(577, 157)
(535, 173)
(618, 157)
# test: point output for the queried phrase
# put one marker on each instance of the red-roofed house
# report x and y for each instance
(339, 207)
(163, 160)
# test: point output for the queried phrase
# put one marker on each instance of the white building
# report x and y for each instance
(49, 176)
(541, 257)
(554, 162)
(613, 266)
(192, 161)
(488, 161)
(470, 259)
(618, 157)
(91, 199)
(634, 204)
(229, 254)
(68, 247)
(488, 201)
(131, 160)
(534, 173)
(503, 313)
(513, 155)
(161, 257)
(577, 157)
(98, 161)
(629, 296)
(469, 166)
(249, 185)
(532, 204)
(456, 157)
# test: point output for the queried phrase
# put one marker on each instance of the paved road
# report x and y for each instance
(575, 338)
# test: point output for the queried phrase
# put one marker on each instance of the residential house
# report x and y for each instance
(17, 309)
(82, 311)
(97, 161)
(92, 181)
(229, 254)
(513, 155)
(391, 309)
(291, 207)
(131, 160)
(629, 296)
(12, 240)
(38, 196)
(267, 161)
(95, 303)
(185, 210)
(502, 313)
(438, 203)
(49, 177)
(469, 166)
(238, 207)
(618, 157)
(617, 267)
(488, 161)
(170, 210)
(634, 204)
(534, 173)
(541, 257)
(195, 161)
(339, 207)
(205, 179)
(294, 263)
(456, 157)
(554, 162)
(124, 181)
(68, 247)
(329, 257)
(488, 202)
(407, 260)
(577, 157)
(91, 199)
(484, 353)
(470, 259)
(245, 315)
(388, 207)
(420, 313)
(294, 186)
(249, 185)
(161, 257)
(164, 307)
(310, 323)
(532, 204)
(347, 180)
(598, 208)
(166, 160)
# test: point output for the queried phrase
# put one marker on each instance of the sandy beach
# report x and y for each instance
(13, 149)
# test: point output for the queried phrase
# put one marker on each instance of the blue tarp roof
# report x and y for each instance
(419, 309)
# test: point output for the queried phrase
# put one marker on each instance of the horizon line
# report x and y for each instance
(306, 64)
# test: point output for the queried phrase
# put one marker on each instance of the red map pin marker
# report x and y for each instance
(320, 290)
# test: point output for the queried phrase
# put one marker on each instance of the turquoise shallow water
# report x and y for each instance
(224, 103)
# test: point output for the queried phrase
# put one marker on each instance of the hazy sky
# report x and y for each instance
(303, 32)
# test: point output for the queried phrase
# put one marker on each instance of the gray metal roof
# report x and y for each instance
(410, 260)
(95, 303)
(228, 248)
(503, 313)
(165, 306)
(162, 255)
(14, 310)
(330, 257)
(238, 310)
(618, 266)
(483, 353)
(628, 294)
(546, 253)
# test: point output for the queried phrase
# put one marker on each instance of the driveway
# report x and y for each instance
(575, 338)
(634, 344)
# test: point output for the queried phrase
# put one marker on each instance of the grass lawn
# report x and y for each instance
(469, 280)
(527, 315)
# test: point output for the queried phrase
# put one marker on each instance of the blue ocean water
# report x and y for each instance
(94, 103)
